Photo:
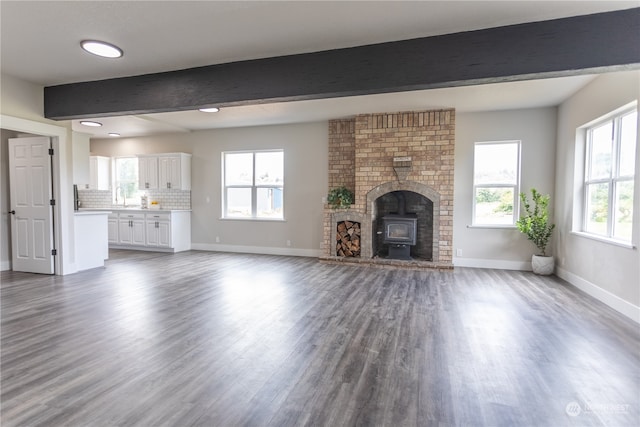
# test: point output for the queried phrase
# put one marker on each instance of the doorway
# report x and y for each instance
(64, 262)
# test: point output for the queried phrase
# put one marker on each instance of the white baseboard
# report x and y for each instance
(613, 301)
(5, 265)
(314, 253)
(492, 263)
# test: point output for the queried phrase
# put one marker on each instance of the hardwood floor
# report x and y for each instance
(214, 339)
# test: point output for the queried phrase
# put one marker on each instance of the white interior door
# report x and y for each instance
(32, 213)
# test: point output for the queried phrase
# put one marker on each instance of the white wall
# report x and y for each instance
(306, 161)
(80, 156)
(500, 247)
(607, 271)
(21, 99)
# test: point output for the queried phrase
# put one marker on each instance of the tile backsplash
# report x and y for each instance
(167, 199)
(171, 199)
(95, 198)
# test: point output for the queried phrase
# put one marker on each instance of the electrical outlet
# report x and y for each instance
(288, 242)
(217, 239)
(459, 252)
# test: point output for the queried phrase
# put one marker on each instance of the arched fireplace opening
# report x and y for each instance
(403, 227)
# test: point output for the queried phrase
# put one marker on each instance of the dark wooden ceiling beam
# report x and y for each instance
(568, 46)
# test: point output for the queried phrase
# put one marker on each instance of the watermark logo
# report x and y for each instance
(573, 409)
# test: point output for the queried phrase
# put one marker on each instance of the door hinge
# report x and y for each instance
(54, 252)
(51, 151)
(52, 202)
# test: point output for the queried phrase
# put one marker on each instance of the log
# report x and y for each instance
(348, 239)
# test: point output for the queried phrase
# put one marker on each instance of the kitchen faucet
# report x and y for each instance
(124, 197)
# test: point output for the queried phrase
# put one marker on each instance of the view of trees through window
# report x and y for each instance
(496, 177)
(609, 176)
(126, 181)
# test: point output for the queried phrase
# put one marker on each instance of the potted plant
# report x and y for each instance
(534, 223)
(340, 197)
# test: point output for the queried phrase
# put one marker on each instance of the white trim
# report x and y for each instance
(624, 307)
(5, 265)
(63, 218)
(604, 239)
(265, 250)
(492, 263)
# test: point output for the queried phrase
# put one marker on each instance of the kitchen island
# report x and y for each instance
(91, 238)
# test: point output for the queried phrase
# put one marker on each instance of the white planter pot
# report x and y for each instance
(542, 265)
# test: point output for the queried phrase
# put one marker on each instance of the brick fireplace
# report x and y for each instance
(382, 157)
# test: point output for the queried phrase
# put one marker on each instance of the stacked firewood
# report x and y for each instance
(348, 239)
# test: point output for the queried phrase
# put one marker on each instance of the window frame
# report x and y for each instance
(612, 180)
(516, 186)
(254, 188)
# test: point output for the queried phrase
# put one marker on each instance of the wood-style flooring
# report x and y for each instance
(215, 339)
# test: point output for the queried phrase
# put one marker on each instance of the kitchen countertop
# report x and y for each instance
(133, 209)
(92, 212)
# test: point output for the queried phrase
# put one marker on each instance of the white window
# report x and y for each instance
(496, 183)
(609, 175)
(126, 181)
(253, 184)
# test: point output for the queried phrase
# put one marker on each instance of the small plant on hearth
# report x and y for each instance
(340, 197)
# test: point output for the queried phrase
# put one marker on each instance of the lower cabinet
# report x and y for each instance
(168, 231)
(131, 229)
(112, 227)
(158, 229)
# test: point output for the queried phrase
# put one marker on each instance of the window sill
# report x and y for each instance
(254, 219)
(498, 226)
(604, 239)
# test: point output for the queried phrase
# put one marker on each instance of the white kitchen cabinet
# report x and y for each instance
(174, 171)
(131, 229)
(112, 226)
(142, 229)
(164, 171)
(147, 172)
(99, 173)
(158, 228)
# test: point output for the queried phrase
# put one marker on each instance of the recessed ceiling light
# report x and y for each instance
(209, 110)
(90, 123)
(103, 49)
(114, 134)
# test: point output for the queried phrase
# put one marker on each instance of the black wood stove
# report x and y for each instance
(399, 231)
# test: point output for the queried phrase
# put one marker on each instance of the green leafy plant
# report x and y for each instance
(534, 222)
(340, 197)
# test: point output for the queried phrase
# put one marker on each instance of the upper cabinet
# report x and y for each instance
(99, 173)
(147, 172)
(174, 171)
(165, 171)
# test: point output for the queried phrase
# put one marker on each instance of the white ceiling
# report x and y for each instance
(40, 44)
